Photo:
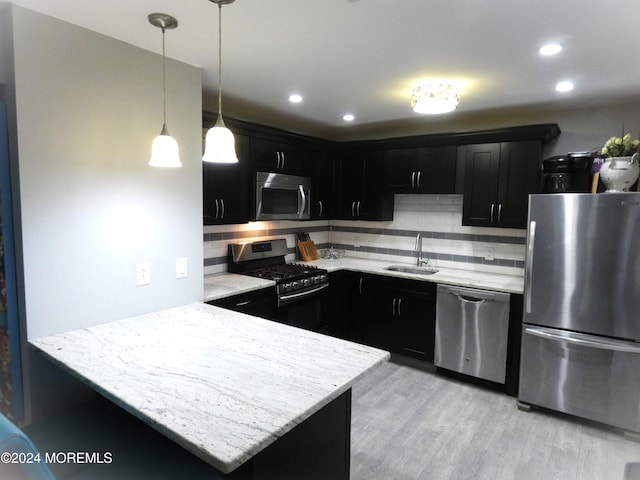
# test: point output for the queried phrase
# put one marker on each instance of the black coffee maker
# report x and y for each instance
(567, 173)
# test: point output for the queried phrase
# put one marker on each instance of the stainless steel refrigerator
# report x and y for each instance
(581, 325)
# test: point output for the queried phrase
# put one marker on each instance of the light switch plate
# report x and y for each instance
(181, 267)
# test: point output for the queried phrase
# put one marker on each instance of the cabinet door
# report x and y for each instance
(378, 326)
(350, 186)
(375, 203)
(277, 156)
(437, 171)
(348, 310)
(481, 169)
(420, 170)
(322, 190)
(265, 155)
(520, 164)
(400, 169)
(414, 329)
(260, 303)
(225, 188)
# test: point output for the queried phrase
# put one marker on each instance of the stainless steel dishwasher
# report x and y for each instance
(472, 329)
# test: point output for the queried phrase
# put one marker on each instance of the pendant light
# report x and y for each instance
(164, 150)
(219, 142)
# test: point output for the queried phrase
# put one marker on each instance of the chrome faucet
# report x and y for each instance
(421, 261)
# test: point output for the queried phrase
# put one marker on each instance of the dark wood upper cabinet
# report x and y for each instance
(357, 180)
(225, 194)
(360, 187)
(281, 157)
(323, 186)
(420, 170)
(498, 178)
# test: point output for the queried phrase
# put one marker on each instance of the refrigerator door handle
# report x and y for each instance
(585, 340)
(529, 265)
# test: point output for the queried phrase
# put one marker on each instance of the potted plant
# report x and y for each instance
(621, 167)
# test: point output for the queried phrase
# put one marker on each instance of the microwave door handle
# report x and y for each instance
(303, 196)
(320, 212)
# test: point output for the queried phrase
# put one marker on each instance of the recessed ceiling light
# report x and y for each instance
(295, 98)
(550, 49)
(564, 86)
(348, 117)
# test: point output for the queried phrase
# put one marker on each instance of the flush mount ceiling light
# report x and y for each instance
(435, 98)
(219, 142)
(164, 149)
(295, 98)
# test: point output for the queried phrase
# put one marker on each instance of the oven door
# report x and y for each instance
(282, 197)
(305, 308)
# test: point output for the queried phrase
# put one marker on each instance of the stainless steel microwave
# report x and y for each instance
(282, 197)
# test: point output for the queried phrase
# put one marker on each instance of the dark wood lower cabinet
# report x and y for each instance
(259, 303)
(394, 314)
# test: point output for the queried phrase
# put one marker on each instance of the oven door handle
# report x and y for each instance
(282, 299)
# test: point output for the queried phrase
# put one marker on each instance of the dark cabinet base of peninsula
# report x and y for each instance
(317, 448)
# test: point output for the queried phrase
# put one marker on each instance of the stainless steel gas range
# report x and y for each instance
(299, 287)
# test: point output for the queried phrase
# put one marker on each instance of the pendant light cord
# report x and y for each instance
(164, 86)
(220, 62)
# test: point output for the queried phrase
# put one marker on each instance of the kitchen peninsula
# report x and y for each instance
(241, 393)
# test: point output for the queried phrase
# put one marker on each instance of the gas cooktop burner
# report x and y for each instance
(283, 271)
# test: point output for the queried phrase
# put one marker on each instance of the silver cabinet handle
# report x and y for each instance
(277, 160)
(360, 286)
(217, 208)
(304, 200)
(413, 179)
(358, 209)
(418, 179)
(399, 304)
(492, 208)
(222, 203)
(353, 209)
(321, 208)
(393, 306)
(283, 159)
(242, 304)
(499, 212)
(528, 267)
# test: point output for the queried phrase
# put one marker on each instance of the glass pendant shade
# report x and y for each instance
(164, 151)
(435, 98)
(220, 146)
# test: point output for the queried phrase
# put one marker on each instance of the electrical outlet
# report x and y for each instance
(490, 254)
(143, 274)
(181, 267)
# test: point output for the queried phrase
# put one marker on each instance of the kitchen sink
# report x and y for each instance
(410, 269)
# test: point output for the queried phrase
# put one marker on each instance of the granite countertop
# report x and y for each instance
(222, 384)
(226, 284)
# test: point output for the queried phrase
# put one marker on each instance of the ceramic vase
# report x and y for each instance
(619, 173)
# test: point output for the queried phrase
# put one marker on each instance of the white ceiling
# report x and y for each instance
(365, 56)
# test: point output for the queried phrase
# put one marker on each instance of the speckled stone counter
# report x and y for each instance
(226, 284)
(222, 384)
(449, 276)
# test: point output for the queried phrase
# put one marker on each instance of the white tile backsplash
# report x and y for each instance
(438, 217)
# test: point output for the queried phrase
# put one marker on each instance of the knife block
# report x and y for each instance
(308, 251)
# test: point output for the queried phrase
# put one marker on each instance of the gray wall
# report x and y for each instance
(87, 109)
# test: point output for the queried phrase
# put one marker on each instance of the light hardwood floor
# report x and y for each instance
(410, 424)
